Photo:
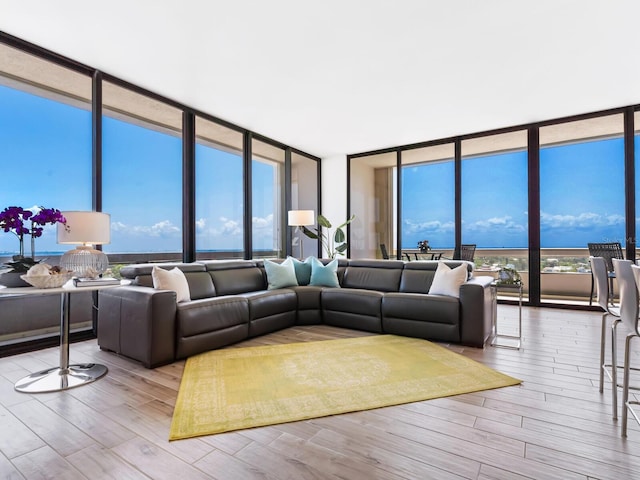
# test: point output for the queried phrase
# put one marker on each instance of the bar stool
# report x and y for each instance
(601, 281)
(628, 276)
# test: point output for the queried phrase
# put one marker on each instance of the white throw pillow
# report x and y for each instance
(447, 280)
(280, 275)
(171, 280)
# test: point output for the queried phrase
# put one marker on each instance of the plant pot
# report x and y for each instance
(12, 280)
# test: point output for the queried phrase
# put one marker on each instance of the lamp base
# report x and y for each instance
(85, 261)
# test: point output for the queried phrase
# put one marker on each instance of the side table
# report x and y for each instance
(64, 376)
(495, 336)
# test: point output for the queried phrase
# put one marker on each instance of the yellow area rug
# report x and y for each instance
(237, 388)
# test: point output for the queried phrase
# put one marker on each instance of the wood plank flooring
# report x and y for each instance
(556, 425)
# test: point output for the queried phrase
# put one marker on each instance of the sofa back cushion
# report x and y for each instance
(200, 283)
(417, 277)
(235, 276)
(380, 275)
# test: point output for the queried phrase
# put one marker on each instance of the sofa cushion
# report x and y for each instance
(380, 275)
(280, 275)
(324, 275)
(352, 308)
(447, 281)
(303, 270)
(210, 323)
(434, 317)
(171, 280)
(235, 276)
(271, 310)
(211, 314)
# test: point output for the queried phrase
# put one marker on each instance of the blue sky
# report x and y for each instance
(50, 144)
(46, 147)
(581, 198)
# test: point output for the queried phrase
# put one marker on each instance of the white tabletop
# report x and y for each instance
(68, 287)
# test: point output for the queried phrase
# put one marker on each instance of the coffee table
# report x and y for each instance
(64, 376)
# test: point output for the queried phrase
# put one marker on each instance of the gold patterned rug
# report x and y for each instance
(237, 388)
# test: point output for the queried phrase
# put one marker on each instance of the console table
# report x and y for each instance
(64, 376)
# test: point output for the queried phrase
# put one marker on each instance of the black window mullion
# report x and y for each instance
(399, 205)
(247, 154)
(458, 196)
(534, 214)
(96, 141)
(630, 182)
(188, 187)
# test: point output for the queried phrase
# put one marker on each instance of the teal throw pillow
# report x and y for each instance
(324, 275)
(280, 275)
(303, 270)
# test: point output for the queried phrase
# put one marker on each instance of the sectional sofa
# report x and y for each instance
(230, 302)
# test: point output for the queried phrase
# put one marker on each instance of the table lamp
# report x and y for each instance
(301, 218)
(85, 229)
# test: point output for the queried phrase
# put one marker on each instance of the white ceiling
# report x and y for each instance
(335, 77)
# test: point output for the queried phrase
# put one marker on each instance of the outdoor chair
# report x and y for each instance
(608, 251)
(385, 253)
(628, 276)
(467, 251)
(599, 271)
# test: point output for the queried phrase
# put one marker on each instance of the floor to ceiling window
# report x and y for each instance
(142, 174)
(45, 159)
(636, 138)
(219, 187)
(428, 197)
(267, 194)
(45, 133)
(582, 199)
(494, 193)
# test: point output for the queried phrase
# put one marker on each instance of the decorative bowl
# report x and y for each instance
(48, 281)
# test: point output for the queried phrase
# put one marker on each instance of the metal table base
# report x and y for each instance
(65, 376)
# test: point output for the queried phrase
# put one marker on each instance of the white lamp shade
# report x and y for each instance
(299, 218)
(87, 228)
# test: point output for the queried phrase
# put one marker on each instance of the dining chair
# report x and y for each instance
(467, 251)
(599, 271)
(385, 253)
(629, 284)
(608, 251)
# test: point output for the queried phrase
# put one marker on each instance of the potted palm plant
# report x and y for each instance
(332, 244)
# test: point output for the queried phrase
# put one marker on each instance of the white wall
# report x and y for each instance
(334, 188)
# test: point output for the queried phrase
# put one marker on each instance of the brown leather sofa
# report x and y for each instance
(230, 302)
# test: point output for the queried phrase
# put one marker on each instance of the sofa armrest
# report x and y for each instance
(138, 322)
(476, 310)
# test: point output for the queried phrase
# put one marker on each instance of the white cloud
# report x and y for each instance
(434, 226)
(201, 223)
(503, 223)
(263, 222)
(118, 227)
(583, 220)
(229, 227)
(159, 229)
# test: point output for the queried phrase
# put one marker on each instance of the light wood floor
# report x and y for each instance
(554, 426)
